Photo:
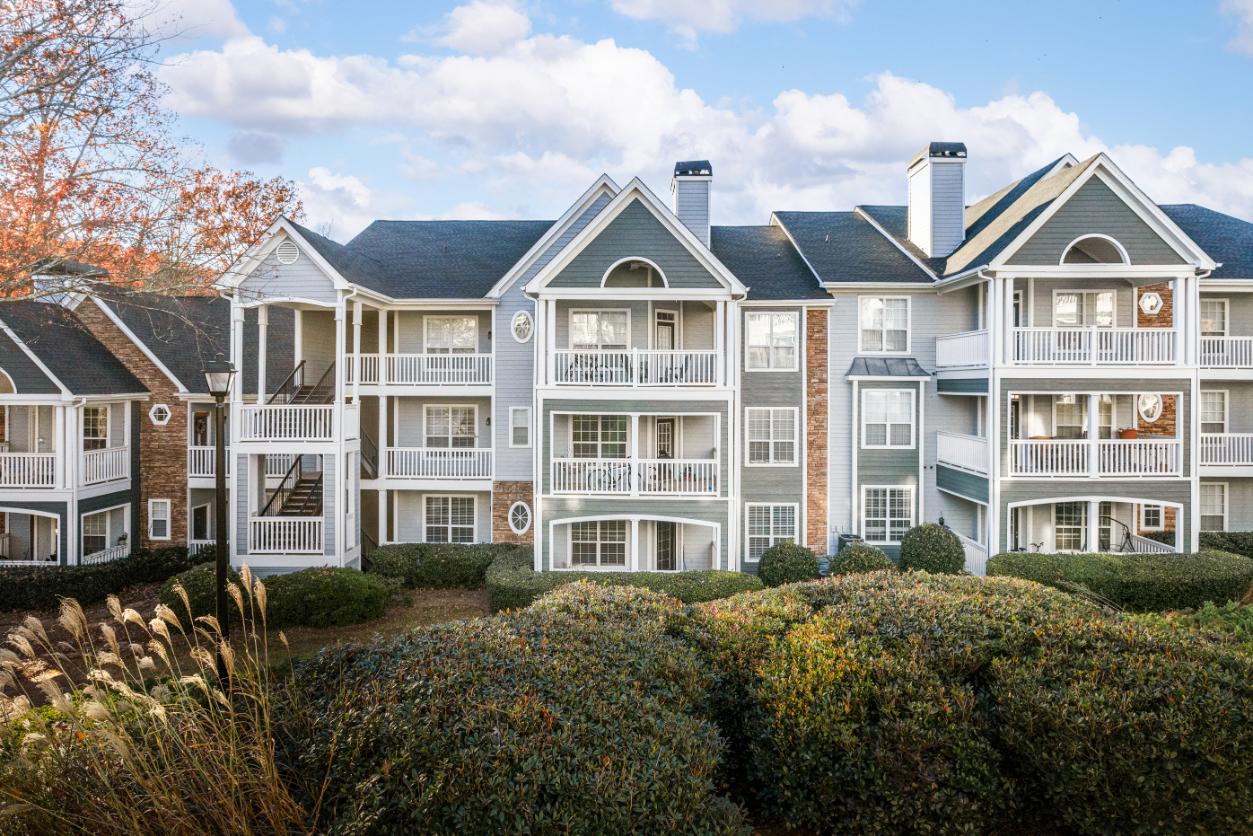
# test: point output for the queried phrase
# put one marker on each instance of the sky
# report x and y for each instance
(511, 108)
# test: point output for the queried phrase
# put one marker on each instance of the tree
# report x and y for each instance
(90, 172)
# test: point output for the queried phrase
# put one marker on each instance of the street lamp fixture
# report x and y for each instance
(218, 374)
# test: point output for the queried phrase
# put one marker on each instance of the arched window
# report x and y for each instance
(1095, 249)
(522, 326)
(634, 272)
(519, 517)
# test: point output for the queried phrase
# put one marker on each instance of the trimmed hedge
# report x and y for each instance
(1136, 582)
(577, 715)
(932, 548)
(787, 562)
(316, 597)
(513, 583)
(858, 557)
(439, 565)
(1236, 542)
(43, 587)
(1232, 622)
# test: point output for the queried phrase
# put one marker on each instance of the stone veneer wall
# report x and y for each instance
(1164, 317)
(162, 450)
(817, 404)
(504, 494)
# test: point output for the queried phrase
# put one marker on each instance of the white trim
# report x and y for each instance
(570, 312)
(796, 343)
(169, 518)
(909, 322)
(157, 422)
(796, 518)
(530, 430)
(449, 317)
(126, 527)
(140, 344)
(913, 421)
(651, 264)
(1226, 486)
(238, 273)
(474, 515)
(1200, 307)
(913, 512)
(449, 406)
(530, 517)
(1161, 510)
(1200, 408)
(1081, 292)
(209, 519)
(12, 335)
(1122, 251)
(513, 330)
(796, 441)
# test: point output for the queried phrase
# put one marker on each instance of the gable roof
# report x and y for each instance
(1228, 240)
(763, 258)
(64, 346)
(844, 247)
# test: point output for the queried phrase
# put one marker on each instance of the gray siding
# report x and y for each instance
(1239, 312)
(948, 206)
(962, 482)
(635, 232)
(317, 343)
(1096, 209)
(410, 427)
(1239, 503)
(19, 525)
(962, 385)
(1178, 491)
(1044, 291)
(409, 330)
(703, 510)
(28, 378)
(301, 280)
(1239, 403)
(411, 511)
(692, 205)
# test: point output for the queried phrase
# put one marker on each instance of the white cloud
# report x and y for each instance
(188, 19)
(691, 16)
(341, 205)
(485, 26)
(1242, 11)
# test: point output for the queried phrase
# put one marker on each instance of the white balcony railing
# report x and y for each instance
(1106, 458)
(105, 555)
(976, 555)
(1227, 352)
(106, 465)
(1143, 545)
(967, 452)
(1140, 457)
(1049, 457)
(288, 422)
(195, 547)
(687, 477)
(200, 461)
(423, 369)
(673, 477)
(635, 367)
(28, 470)
(968, 349)
(1227, 449)
(285, 535)
(1093, 346)
(439, 463)
(591, 476)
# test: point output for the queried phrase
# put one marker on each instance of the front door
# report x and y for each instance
(665, 332)
(667, 546)
(665, 438)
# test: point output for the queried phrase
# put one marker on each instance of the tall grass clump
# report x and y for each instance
(154, 742)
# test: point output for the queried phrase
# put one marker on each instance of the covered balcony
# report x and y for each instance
(633, 544)
(635, 455)
(290, 520)
(1094, 525)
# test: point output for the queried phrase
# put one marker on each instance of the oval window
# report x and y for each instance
(522, 326)
(1150, 407)
(519, 517)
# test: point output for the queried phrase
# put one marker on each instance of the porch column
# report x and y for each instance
(720, 340)
(635, 453)
(60, 444)
(1175, 309)
(382, 329)
(382, 531)
(357, 317)
(263, 322)
(635, 545)
(1094, 526)
(1094, 434)
(341, 318)
(1007, 317)
(381, 441)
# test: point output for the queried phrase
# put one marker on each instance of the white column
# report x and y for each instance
(263, 322)
(549, 308)
(635, 453)
(1094, 526)
(635, 545)
(382, 530)
(60, 444)
(1175, 309)
(357, 317)
(341, 348)
(382, 437)
(383, 317)
(720, 340)
(993, 325)
(1007, 317)
(1094, 434)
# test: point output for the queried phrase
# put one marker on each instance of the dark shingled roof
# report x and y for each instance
(763, 258)
(885, 367)
(693, 168)
(940, 149)
(430, 259)
(1225, 239)
(186, 331)
(844, 247)
(70, 352)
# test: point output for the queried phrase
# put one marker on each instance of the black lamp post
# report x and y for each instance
(218, 373)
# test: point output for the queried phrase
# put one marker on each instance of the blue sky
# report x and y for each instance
(508, 108)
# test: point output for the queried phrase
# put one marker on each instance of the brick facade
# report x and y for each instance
(816, 407)
(162, 450)
(504, 494)
(1164, 426)
(1163, 318)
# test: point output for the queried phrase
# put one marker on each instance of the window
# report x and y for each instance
(600, 330)
(769, 525)
(771, 435)
(887, 418)
(1149, 405)
(599, 436)
(1151, 517)
(601, 543)
(519, 517)
(522, 326)
(884, 324)
(1070, 523)
(160, 414)
(1213, 506)
(1151, 303)
(1213, 317)
(450, 519)
(95, 427)
(452, 334)
(1214, 411)
(1084, 307)
(95, 532)
(201, 527)
(519, 426)
(158, 519)
(450, 426)
(887, 513)
(1070, 416)
(771, 342)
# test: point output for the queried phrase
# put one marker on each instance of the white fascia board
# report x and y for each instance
(603, 185)
(865, 216)
(637, 189)
(420, 304)
(1228, 285)
(904, 287)
(238, 272)
(775, 221)
(140, 344)
(11, 334)
(788, 303)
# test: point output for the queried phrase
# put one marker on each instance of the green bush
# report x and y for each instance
(42, 587)
(858, 557)
(513, 583)
(787, 562)
(932, 548)
(1232, 622)
(439, 565)
(1119, 727)
(1136, 582)
(316, 597)
(579, 715)
(1236, 542)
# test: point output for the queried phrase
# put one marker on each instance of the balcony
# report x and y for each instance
(969, 349)
(636, 477)
(966, 452)
(1227, 352)
(288, 422)
(635, 367)
(285, 535)
(28, 470)
(106, 465)
(423, 370)
(1080, 458)
(1092, 346)
(1227, 449)
(106, 555)
(439, 463)
(200, 462)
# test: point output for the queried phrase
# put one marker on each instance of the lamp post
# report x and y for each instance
(218, 373)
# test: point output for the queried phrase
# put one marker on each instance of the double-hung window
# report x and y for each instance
(450, 519)
(602, 543)
(887, 418)
(158, 519)
(1070, 524)
(1213, 506)
(1075, 308)
(884, 324)
(450, 426)
(598, 436)
(768, 525)
(1070, 416)
(95, 532)
(519, 426)
(887, 513)
(451, 334)
(1214, 411)
(771, 435)
(1213, 317)
(95, 427)
(600, 330)
(771, 341)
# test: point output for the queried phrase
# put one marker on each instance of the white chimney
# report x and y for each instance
(937, 198)
(690, 189)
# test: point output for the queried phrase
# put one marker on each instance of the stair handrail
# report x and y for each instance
(295, 377)
(315, 494)
(284, 489)
(317, 387)
(370, 452)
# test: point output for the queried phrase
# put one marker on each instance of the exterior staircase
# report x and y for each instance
(304, 499)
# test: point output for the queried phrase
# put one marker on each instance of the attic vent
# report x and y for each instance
(287, 253)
